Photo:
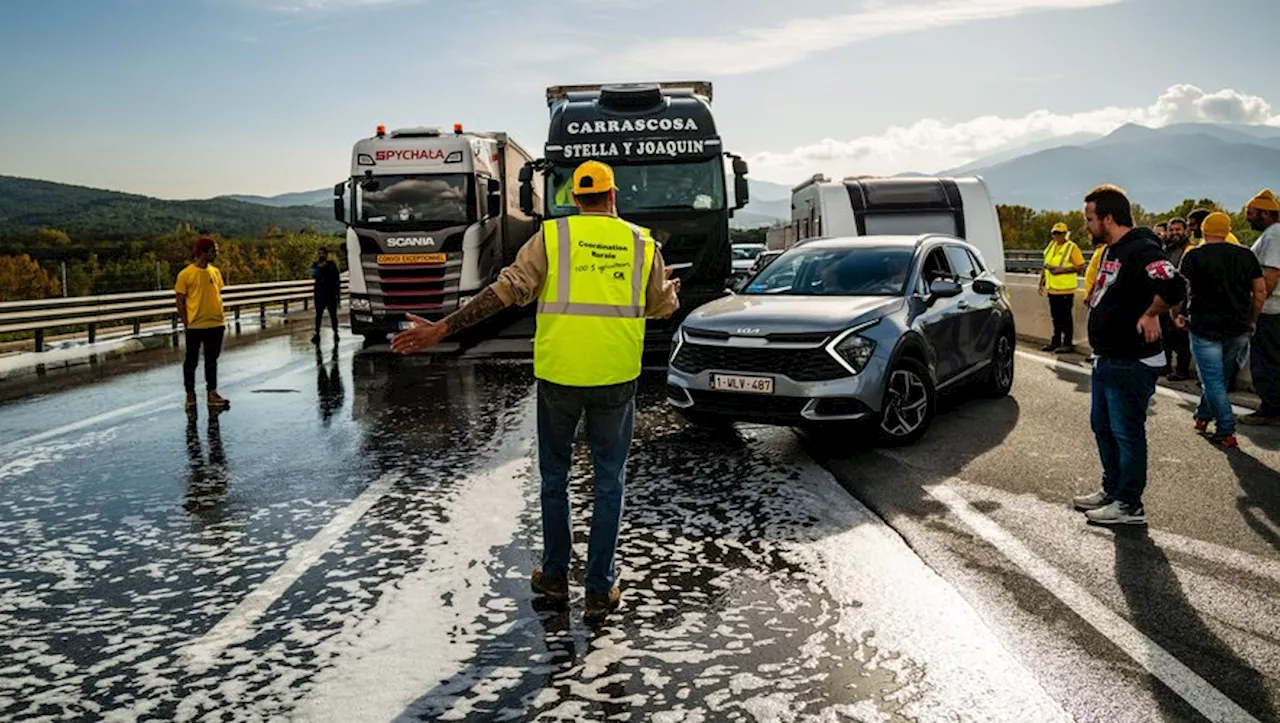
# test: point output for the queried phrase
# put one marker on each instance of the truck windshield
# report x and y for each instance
(427, 201)
(659, 187)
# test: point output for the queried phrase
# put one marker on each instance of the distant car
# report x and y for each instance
(744, 256)
(865, 329)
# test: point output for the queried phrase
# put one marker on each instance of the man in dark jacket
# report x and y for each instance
(1136, 284)
(327, 290)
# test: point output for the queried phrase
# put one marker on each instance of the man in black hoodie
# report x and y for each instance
(1136, 284)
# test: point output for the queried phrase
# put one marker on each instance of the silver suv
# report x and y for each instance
(866, 329)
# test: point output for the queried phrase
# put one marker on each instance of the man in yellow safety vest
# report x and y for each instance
(596, 278)
(1059, 278)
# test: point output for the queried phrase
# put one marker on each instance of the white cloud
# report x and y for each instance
(757, 49)
(932, 145)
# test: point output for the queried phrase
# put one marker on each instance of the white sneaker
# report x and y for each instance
(1118, 513)
(1092, 501)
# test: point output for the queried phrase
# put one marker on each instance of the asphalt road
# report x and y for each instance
(352, 541)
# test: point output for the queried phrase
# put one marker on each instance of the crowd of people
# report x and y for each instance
(1159, 299)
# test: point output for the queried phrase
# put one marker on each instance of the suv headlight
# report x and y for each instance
(677, 340)
(361, 305)
(852, 350)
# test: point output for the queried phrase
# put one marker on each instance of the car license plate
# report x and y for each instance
(412, 258)
(734, 383)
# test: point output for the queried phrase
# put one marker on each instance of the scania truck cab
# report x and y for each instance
(670, 169)
(431, 218)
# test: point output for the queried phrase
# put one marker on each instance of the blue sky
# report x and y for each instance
(194, 98)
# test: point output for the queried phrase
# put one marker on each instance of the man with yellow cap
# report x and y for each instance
(596, 278)
(1263, 214)
(1063, 261)
(1225, 292)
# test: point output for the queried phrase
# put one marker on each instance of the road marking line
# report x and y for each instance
(1210, 701)
(138, 408)
(1086, 371)
(237, 625)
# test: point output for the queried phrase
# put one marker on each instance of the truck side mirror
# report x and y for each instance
(340, 202)
(741, 189)
(526, 190)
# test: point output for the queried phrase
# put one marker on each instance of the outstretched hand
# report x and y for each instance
(673, 284)
(421, 336)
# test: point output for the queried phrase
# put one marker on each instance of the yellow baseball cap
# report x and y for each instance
(1060, 227)
(593, 177)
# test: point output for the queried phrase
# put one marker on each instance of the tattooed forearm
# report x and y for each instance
(483, 306)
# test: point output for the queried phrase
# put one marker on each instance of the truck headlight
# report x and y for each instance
(852, 350)
(361, 305)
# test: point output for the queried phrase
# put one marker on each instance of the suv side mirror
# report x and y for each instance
(944, 289)
(986, 287)
(340, 202)
(526, 190)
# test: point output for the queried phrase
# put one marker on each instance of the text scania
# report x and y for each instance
(632, 126)
(629, 149)
(410, 154)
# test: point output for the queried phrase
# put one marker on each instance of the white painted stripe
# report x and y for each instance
(237, 625)
(1087, 371)
(138, 408)
(1211, 702)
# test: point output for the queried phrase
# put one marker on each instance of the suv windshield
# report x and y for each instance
(864, 271)
(429, 201)
(657, 187)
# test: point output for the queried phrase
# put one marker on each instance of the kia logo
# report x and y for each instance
(748, 331)
(403, 241)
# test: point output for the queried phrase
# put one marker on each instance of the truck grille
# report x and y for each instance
(414, 287)
(802, 365)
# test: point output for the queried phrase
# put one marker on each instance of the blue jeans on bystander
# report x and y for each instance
(1122, 389)
(610, 419)
(1217, 363)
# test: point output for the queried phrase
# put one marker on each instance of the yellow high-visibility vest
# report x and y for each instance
(591, 309)
(1060, 282)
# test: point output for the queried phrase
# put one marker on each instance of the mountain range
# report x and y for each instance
(1159, 167)
(95, 214)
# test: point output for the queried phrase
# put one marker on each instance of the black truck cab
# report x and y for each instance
(669, 163)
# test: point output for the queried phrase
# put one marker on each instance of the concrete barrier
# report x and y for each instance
(1031, 313)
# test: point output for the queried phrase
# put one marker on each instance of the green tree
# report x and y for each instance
(22, 278)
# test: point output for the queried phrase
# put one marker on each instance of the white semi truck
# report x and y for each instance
(431, 218)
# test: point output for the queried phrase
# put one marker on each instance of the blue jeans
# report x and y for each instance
(1122, 389)
(610, 418)
(1218, 362)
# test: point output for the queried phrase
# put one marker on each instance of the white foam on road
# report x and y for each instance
(410, 642)
(238, 625)
(1205, 698)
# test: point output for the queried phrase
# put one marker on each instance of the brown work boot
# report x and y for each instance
(217, 401)
(191, 402)
(600, 604)
(556, 588)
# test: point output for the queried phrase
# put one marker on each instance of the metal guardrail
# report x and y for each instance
(91, 311)
(1023, 260)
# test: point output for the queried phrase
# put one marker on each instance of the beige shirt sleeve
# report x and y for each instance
(521, 282)
(660, 300)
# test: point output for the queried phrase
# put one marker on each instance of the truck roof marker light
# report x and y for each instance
(382, 131)
(457, 128)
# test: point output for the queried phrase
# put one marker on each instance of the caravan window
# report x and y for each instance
(910, 224)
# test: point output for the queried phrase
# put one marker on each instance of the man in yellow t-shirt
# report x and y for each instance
(1062, 262)
(199, 289)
